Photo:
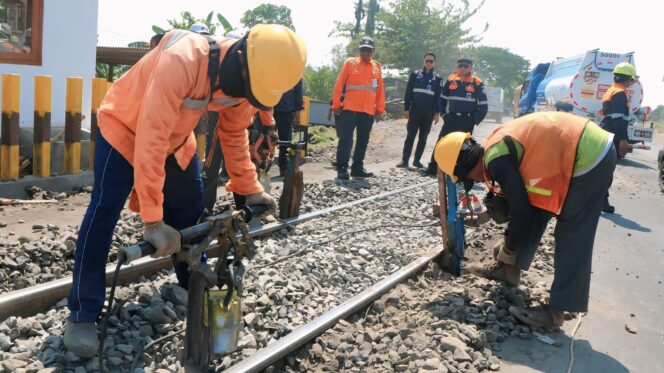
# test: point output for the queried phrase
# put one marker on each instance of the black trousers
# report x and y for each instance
(284, 120)
(574, 236)
(350, 121)
(453, 123)
(419, 121)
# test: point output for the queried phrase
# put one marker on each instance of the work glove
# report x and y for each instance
(501, 254)
(436, 118)
(163, 237)
(272, 135)
(406, 114)
(378, 116)
(262, 198)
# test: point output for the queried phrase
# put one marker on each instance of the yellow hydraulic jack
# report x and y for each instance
(213, 309)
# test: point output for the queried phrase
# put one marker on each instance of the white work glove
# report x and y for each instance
(163, 237)
(262, 198)
(501, 255)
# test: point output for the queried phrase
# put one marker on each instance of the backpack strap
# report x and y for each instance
(214, 61)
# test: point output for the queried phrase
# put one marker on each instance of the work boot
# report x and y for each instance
(499, 271)
(607, 207)
(539, 317)
(342, 174)
(402, 164)
(431, 170)
(81, 338)
(361, 173)
(418, 164)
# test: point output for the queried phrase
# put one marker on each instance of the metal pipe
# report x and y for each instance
(29, 301)
(300, 336)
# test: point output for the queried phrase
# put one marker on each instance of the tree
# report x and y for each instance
(319, 83)
(499, 67)
(657, 115)
(187, 19)
(411, 27)
(268, 13)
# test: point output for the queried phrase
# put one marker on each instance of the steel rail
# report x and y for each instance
(278, 350)
(34, 299)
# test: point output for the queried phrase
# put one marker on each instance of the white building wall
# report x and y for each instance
(69, 47)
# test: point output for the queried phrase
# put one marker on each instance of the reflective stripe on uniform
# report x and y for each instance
(422, 90)
(352, 87)
(225, 101)
(175, 36)
(457, 98)
(540, 191)
(192, 104)
(443, 96)
(483, 103)
(616, 115)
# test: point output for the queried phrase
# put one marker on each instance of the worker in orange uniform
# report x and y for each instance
(146, 147)
(615, 106)
(364, 99)
(546, 164)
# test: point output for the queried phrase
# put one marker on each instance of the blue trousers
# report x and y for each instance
(113, 181)
(351, 120)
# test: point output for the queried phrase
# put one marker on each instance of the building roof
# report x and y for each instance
(120, 55)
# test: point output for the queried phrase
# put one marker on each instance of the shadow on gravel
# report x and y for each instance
(518, 353)
(633, 163)
(626, 223)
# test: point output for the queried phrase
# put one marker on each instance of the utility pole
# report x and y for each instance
(371, 17)
(359, 15)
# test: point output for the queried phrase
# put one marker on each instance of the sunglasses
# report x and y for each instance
(463, 65)
(429, 61)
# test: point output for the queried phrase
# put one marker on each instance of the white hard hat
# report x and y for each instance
(236, 34)
(200, 28)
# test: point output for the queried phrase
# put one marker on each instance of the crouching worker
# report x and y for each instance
(146, 147)
(546, 164)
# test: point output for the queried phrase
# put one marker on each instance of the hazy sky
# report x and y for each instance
(537, 30)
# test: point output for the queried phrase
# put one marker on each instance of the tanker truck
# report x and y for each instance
(577, 84)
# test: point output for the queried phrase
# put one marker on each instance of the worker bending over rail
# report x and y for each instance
(146, 147)
(545, 164)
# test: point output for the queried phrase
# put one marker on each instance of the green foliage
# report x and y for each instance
(412, 27)
(268, 13)
(318, 83)
(187, 19)
(499, 67)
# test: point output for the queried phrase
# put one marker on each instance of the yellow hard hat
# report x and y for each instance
(276, 57)
(625, 68)
(447, 152)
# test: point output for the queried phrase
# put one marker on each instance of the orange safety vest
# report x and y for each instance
(363, 86)
(549, 143)
(615, 88)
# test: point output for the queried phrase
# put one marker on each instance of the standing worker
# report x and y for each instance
(362, 79)
(467, 100)
(615, 105)
(146, 144)
(421, 108)
(287, 110)
(546, 164)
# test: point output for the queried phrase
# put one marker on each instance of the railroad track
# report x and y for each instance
(29, 301)
(34, 299)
